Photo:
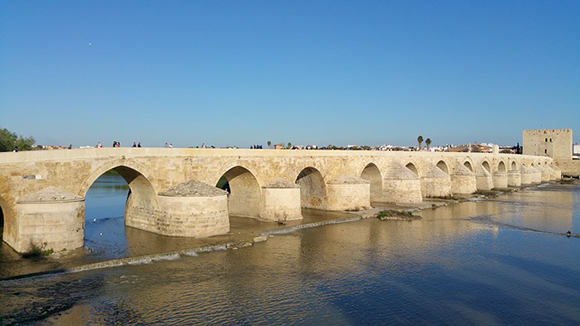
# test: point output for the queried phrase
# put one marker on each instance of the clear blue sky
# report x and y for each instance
(306, 72)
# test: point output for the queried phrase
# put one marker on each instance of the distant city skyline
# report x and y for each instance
(306, 72)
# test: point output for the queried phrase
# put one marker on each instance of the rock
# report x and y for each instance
(261, 238)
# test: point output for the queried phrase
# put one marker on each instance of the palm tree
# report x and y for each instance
(289, 145)
(428, 142)
(269, 143)
(420, 140)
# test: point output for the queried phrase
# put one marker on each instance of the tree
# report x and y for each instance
(289, 146)
(428, 143)
(9, 140)
(269, 143)
(420, 140)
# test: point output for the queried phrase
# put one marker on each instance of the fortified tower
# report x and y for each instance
(555, 143)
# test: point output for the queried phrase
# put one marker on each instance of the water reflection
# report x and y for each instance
(460, 264)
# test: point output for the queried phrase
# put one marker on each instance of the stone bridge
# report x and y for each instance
(173, 191)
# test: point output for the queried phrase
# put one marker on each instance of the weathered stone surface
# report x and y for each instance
(50, 194)
(193, 188)
(348, 179)
(281, 183)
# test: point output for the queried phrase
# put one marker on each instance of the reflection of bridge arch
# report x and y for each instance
(312, 188)
(245, 196)
(372, 173)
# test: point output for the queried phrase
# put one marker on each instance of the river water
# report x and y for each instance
(498, 261)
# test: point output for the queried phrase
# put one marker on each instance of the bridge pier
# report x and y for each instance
(463, 181)
(401, 185)
(500, 180)
(48, 219)
(546, 174)
(348, 193)
(527, 175)
(536, 175)
(435, 182)
(281, 201)
(556, 174)
(514, 178)
(484, 179)
(192, 209)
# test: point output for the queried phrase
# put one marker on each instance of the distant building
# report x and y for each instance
(555, 143)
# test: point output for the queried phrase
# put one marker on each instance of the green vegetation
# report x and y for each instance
(397, 215)
(420, 141)
(428, 143)
(37, 251)
(269, 143)
(9, 140)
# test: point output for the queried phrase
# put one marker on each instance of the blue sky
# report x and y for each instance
(307, 72)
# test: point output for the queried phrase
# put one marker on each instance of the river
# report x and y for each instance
(496, 261)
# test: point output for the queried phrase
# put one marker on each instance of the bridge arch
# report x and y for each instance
(443, 166)
(245, 194)
(142, 205)
(413, 168)
(513, 165)
(372, 173)
(486, 166)
(312, 188)
(469, 165)
(501, 167)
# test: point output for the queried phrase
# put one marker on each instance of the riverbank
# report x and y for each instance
(244, 233)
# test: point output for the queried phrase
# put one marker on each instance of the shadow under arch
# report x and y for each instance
(245, 195)
(413, 168)
(372, 173)
(468, 165)
(501, 167)
(486, 166)
(312, 188)
(513, 166)
(443, 166)
(141, 206)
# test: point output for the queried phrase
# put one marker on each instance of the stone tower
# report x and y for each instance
(555, 143)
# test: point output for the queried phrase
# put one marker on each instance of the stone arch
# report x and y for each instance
(245, 194)
(312, 188)
(413, 168)
(501, 167)
(372, 173)
(123, 166)
(142, 206)
(468, 165)
(486, 166)
(443, 166)
(513, 166)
